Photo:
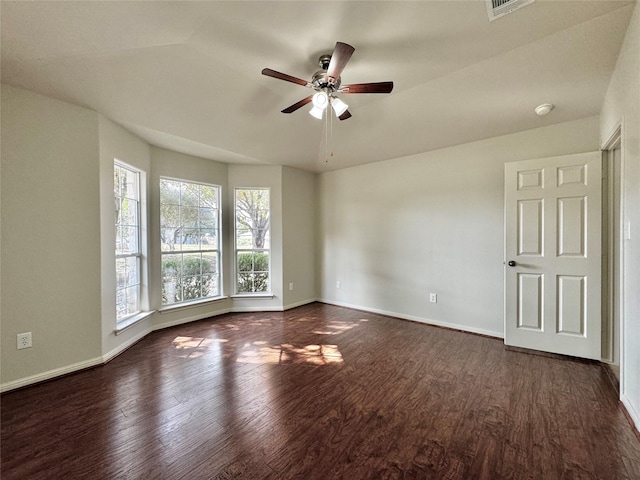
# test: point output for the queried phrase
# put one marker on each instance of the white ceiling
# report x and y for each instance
(186, 75)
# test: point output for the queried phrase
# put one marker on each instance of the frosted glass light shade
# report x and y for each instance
(316, 112)
(339, 106)
(320, 100)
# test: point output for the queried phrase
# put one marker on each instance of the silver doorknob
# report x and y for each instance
(511, 263)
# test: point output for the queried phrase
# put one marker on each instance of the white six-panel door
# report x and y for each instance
(553, 254)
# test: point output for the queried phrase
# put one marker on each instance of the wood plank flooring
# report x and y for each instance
(320, 392)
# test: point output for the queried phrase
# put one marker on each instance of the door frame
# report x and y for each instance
(615, 140)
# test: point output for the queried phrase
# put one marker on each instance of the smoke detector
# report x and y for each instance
(543, 109)
(499, 8)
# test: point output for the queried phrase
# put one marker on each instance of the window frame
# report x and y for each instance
(236, 249)
(218, 274)
(138, 254)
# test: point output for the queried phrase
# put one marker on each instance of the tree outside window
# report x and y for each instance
(253, 242)
(189, 234)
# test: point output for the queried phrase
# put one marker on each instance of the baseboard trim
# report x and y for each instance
(631, 414)
(613, 379)
(193, 318)
(107, 357)
(51, 374)
(299, 304)
(413, 318)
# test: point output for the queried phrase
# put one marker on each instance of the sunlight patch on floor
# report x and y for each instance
(194, 347)
(290, 354)
(335, 328)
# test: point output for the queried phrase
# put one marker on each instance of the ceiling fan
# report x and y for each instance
(327, 84)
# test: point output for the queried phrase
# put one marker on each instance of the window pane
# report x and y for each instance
(121, 304)
(245, 262)
(261, 261)
(253, 272)
(209, 263)
(121, 273)
(208, 218)
(129, 240)
(191, 287)
(132, 300)
(171, 265)
(189, 239)
(189, 224)
(171, 271)
(191, 264)
(209, 196)
(170, 192)
(189, 194)
(130, 185)
(244, 239)
(245, 282)
(132, 271)
(262, 237)
(128, 212)
(169, 216)
(117, 181)
(189, 217)
(210, 285)
(261, 282)
(208, 239)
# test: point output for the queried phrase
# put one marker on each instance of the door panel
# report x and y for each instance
(530, 227)
(530, 301)
(553, 234)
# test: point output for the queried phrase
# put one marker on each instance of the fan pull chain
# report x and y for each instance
(326, 138)
(331, 125)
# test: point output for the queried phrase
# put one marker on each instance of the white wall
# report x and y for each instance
(118, 143)
(299, 236)
(166, 163)
(622, 105)
(51, 236)
(394, 231)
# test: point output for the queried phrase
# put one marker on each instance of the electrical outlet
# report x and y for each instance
(433, 298)
(291, 286)
(24, 340)
(338, 284)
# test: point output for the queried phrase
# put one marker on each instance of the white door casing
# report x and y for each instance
(553, 234)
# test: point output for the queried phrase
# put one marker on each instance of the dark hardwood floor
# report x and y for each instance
(320, 392)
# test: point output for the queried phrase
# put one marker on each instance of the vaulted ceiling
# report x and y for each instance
(186, 75)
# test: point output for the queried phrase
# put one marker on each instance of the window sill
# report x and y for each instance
(253, 295)
(131, 321)
(194, 303)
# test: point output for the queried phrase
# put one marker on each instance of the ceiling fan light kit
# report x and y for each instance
(327, 84)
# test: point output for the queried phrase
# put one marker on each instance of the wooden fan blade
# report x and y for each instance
(345, 115)
(378, 87)
(283, 76)
(339, 58)
(297, 105)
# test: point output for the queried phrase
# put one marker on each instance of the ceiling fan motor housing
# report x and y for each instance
(319, 81)
(324, 61)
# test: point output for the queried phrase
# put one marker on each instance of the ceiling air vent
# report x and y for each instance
(498, 8)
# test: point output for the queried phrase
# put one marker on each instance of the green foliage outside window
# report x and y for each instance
(253, 272)
(187, 279)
